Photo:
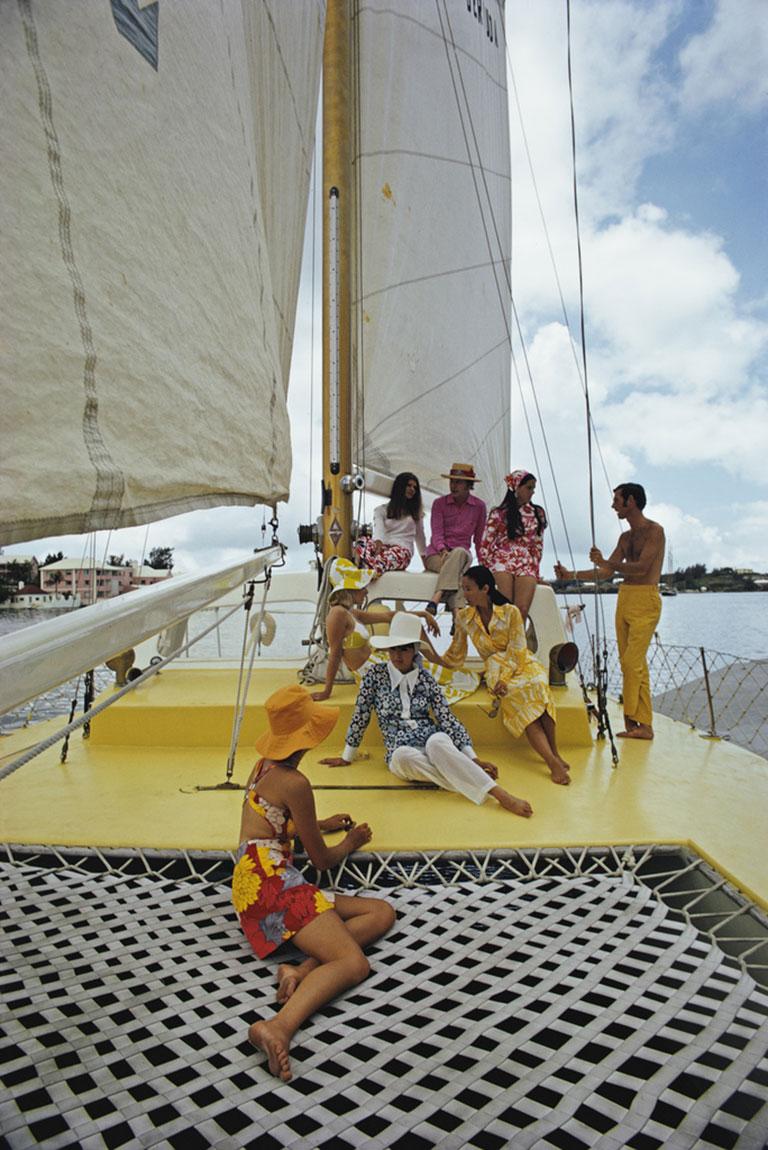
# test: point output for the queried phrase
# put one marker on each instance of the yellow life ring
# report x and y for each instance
(267, 628)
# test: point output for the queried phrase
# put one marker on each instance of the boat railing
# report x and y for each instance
(38, 658)
(722, 696)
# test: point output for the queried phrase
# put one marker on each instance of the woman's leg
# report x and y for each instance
(366, 919)
(505, 582)
(550, 730)
(340, 965)
(523, 592)
(536, 734)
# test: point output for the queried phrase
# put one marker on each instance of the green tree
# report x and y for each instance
(116, 560)
(53, 558)
(18, 571)
(161, 558)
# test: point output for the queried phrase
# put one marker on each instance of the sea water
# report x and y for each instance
(734, 623)
(731, 622)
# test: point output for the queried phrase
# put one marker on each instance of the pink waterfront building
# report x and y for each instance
(89, 583)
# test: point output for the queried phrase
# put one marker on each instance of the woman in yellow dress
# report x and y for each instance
(512, 674)
(346, 629)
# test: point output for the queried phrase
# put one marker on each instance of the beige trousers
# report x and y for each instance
(449, 569)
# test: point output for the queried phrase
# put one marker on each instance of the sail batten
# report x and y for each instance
(432, 290)
(152, 204)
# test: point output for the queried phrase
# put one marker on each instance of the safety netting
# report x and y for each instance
(532, 999)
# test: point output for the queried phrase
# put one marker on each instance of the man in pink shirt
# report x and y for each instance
(457, 522)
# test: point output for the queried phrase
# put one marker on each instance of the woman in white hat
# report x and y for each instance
(423, 740)
(349, 639)
(274, 901)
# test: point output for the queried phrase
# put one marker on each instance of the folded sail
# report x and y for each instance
(153, 192)
(434, 299)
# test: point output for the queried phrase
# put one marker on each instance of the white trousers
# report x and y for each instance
(442, 763)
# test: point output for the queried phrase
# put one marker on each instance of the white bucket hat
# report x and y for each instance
(403, 630)
(343, 575)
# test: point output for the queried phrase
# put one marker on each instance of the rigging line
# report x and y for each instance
(581, 276)
(313, 304)
(106, 548)
(357, 391)
(550, 249)
(529, 372)
(601, 665)
(474, 167)
(144, 549)
(543, 431)
(514, 308)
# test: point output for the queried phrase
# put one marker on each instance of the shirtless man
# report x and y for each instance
(637, 557)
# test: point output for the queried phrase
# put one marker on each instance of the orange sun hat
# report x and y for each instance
(296, 723)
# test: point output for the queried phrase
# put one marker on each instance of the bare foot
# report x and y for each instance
(288, 978)
(510, 803)
(638, 731)
(559, 772)
(268, 1037)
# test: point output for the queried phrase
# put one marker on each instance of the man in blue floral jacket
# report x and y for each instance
(424, 742)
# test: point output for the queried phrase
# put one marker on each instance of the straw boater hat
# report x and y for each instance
(344, 576)
(462, 471)
(403, 630)
(296, 723)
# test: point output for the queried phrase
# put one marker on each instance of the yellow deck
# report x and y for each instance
(133, 784)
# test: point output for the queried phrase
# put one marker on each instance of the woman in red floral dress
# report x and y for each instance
(513, 541)
(274, 901)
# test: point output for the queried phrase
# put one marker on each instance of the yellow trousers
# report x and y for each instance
(638, 610)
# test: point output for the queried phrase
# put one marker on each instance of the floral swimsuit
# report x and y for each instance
(272, 898)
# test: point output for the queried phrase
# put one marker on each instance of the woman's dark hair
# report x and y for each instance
(483, 577)
(398, 506)
(509, 504)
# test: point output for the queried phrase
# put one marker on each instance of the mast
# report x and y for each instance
(338, 483)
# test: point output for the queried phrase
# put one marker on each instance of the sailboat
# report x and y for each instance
(547, 979)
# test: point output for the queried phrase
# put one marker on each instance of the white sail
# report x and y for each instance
(153, 190)
(433, 175)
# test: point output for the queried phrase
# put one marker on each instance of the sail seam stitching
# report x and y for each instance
(110, 482)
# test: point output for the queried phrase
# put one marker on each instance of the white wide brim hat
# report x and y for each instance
(403, 630)
(343, 575)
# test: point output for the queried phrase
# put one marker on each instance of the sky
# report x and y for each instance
(671, 102)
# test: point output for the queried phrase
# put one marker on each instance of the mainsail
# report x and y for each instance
(433, 351)
(156, 163)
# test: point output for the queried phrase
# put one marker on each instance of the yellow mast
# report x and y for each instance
(338, 485)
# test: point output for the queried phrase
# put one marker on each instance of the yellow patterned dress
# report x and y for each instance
(507, 660)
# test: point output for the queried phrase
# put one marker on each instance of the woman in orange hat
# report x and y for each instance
(273, 899)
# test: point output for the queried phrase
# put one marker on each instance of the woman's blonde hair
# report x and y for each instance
(341, 597)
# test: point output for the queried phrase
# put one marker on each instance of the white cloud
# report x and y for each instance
(728, 62)
(666, 430)
(662, 301)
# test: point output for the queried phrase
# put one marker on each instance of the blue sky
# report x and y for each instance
(670, 103)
